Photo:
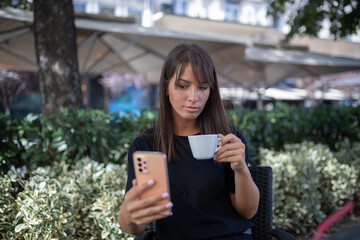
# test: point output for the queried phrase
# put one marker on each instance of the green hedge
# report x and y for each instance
(309, 183)
(37, 141)
(349, 153)
(62, 203)
(82, 201)
(328, 125)
(310, 179)
(68, 136)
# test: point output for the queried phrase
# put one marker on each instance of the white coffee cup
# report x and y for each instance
(204, 146)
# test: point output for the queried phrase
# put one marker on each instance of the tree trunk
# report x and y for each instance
(56, 53)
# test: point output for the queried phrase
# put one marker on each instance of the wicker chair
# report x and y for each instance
(263, 230)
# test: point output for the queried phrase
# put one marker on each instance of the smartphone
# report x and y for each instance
(152, 165)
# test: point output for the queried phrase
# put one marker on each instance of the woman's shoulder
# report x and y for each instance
(148, 132)
(144, 140)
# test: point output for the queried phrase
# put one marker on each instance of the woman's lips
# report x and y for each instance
(192, 109)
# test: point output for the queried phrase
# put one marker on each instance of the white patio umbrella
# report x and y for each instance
(102, 45)
(122, 47)
(265, 66)
(348, 81)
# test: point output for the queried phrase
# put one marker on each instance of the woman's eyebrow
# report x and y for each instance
(187, 81)
(184, 80)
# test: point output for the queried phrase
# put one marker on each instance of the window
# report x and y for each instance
(181, 7)
(79, 6)
(107, 9)
(167, 8)
(248, 15)
(136, 14)
(277, 23)
(232, 11)
(184, 7)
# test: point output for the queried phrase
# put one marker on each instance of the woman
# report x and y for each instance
(209, 199)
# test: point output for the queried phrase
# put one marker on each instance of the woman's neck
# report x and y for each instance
(186, 128)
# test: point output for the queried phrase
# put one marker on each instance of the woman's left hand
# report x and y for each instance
(232, 150)
(246, 197)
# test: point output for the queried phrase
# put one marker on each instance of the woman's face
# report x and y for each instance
(187, 97)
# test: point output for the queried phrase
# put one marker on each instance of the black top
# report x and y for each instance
(199, 191)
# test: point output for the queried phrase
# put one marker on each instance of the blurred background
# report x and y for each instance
(122, 44)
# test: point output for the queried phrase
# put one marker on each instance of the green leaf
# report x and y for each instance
(48, 203)
(104, 234)
(102, 223)
(42, 185)
(20, 227)
(18, 217)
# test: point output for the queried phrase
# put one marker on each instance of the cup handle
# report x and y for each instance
(217, 149)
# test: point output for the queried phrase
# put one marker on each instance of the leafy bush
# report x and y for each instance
(309, 184)
(16, 138)
(44, 210)
(96, 185)
(38, 141)
(328, 125)
(8, 207)
(60, 202)
(68, 136)
(83, 202)
(349, 153)
(73, 135)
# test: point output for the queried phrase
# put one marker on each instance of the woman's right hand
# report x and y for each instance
(135, 213)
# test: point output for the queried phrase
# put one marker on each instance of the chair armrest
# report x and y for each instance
(281, 234)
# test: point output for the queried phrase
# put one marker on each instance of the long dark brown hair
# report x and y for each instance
(213, 113)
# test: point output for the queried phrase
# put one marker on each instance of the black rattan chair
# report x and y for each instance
(263, 230)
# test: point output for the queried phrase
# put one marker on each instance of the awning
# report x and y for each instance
(352, 81)
(115, 46)
(103, 45)
(265, 66)
(281, 94)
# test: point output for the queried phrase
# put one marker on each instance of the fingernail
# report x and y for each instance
(165, 195)
(150, 182)
(169, 205)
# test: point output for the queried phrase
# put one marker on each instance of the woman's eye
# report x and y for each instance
(203, 88)
(181, 86)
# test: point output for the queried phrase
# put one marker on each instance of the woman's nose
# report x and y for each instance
(194, 95)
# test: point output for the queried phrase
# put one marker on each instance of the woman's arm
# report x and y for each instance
(135, 213)
(246, 197)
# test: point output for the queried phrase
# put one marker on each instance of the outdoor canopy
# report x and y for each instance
(122, 47)
(102, 45)
(266, 65)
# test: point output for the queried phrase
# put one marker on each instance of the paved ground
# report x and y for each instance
(352, 233)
